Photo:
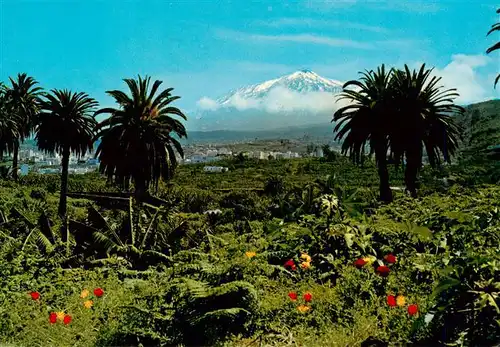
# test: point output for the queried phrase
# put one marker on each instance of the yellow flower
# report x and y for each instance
(84, 294)
(305, 265)
(250, 255)
(369, 260)
(60, 315)
(400, 300)
(303, 308)
(305, 257)
(88, 303)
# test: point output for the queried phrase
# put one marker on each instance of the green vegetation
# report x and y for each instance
(172, 275)
(271, 252)
(481, 128)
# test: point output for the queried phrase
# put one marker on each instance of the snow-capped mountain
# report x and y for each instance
(303, 81)
(300, 98)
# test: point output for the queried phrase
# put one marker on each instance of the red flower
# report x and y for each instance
(360, 263)
(308, 297)
(391, 300)
(292, 296)
(35, 295)
(53, 318)
(412, 309)
(390, 258)
(67, 319)
(383, 270)
(291, 264)
(98, 292)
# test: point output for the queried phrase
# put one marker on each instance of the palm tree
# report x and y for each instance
(66, 125)
(137, 140)
(494, 27)
(23, 97)
(365, 121)
(8, 124)
(422, 117)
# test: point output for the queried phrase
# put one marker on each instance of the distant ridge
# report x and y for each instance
(317, 131)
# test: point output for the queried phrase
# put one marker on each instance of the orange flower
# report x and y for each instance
(305, 257)
(250, 255)
(60, 315)
(84, 293)
(305, 265)
(400, 300)
(88, 303)
(303, 308)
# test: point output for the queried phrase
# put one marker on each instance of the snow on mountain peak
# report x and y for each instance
(302, 97)
(302, 81)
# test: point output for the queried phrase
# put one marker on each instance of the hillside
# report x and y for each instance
(481, 126)
(309, 132)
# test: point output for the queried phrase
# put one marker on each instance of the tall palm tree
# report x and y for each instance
(137, 140)
(494, 27)
(24, 97)
(423, 116)
(8, 124)
(66, 125)
(365, 121)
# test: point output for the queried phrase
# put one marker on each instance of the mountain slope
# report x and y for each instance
(303, 81)
(481, 126)
(480, 123)
(299, 99)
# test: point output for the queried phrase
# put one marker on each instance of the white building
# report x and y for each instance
(212, 153)
(319, 152)
(215, 169)
(225, 151)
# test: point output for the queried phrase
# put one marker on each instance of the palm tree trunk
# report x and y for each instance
(383, 172)
(64, 183)
(15, 160)
(141, 190)
(414, 162)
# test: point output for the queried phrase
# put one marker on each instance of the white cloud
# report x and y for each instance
(413, 6)
(298, 38)
(308, 38)
(309, 22)
(207, 104)
(329, 4)
(462, 74)
(315, 39)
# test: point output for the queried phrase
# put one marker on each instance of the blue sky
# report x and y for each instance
(206, 48)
